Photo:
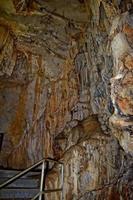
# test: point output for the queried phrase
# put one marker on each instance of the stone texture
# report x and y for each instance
(122, 83)
(66, 76)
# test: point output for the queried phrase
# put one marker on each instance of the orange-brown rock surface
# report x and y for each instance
(66, 92)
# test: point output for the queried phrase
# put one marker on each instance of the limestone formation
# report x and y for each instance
(66, 92)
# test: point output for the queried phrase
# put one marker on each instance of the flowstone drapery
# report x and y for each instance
(66, 76)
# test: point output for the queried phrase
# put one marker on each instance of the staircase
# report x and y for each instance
(27, 184)
(24, 188)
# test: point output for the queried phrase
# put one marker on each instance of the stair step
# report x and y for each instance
(22, 183)
(17, 193)
(4, 173)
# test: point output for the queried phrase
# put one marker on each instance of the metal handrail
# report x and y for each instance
(43, 175)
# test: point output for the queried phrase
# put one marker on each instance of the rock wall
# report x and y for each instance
(66, 93)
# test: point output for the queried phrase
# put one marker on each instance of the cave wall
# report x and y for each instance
(66, 92)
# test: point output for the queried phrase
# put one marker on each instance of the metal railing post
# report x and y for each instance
(62, 181)
(42, 182)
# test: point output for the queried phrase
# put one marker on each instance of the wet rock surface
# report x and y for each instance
(66, 92)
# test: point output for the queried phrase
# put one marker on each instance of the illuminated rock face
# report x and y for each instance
(66, 76)
(122, 82)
